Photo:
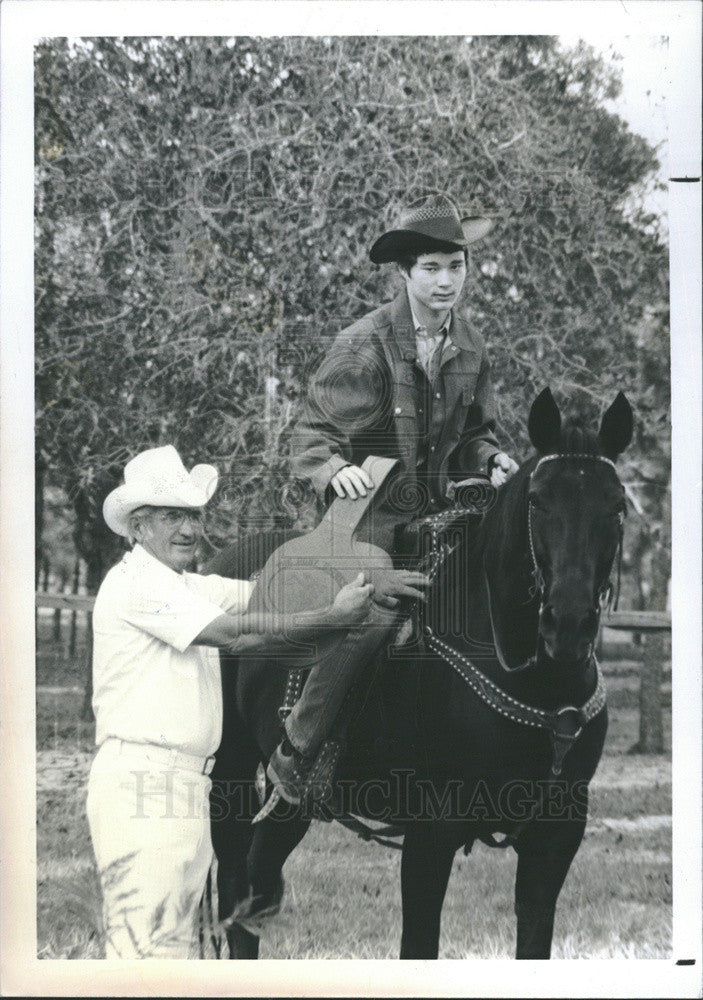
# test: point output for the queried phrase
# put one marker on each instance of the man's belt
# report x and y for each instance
(166, 756)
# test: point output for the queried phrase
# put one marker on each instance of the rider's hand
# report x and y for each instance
(392, 584)
(503, 468)
(353, 602)
(351, 482)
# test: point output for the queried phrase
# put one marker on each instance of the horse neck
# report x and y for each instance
(511, 619)
(505, 559)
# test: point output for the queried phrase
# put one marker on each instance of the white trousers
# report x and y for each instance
(150, 828)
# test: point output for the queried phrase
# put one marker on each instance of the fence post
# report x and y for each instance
(87, 709)
(76, 584)
(651, 735)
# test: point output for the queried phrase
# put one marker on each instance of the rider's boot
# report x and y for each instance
(313, 723)
(289, 770)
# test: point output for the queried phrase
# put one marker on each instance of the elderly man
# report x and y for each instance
(158, 702)
(411, 381)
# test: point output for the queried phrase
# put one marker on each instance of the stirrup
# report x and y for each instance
(267, 808)
(316, 798)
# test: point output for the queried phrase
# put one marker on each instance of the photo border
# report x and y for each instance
(23, 23)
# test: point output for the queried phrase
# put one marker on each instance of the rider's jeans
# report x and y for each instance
(312, 719)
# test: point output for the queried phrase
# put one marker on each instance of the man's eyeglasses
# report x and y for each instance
(175, 517)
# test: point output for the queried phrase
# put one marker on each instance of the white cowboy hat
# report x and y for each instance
(157, 478)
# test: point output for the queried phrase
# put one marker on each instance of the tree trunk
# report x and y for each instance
(640, 550)
(57, 611)
(39, 469)
(99, 548)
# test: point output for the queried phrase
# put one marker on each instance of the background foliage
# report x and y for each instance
(204, 209)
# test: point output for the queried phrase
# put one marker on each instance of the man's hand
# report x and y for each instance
(351, 482)
(353, 602)
(392, 584)
(503, 468)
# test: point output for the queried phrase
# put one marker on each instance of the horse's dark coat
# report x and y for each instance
(424, 748)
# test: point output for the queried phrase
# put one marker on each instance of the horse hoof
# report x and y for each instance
(255, 913)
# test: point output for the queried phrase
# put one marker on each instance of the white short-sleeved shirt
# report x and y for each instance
(150, 685)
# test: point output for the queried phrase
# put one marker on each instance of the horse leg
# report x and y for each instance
(543, 863)
(242, 943)
(231, 839)
(275, 838)
(233, 804)
(424, 874)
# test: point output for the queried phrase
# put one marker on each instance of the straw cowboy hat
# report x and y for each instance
(157, 478)
(433, 219)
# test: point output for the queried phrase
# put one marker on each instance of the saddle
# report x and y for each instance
(308, 571)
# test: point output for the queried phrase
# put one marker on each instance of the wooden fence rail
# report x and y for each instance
(630, 621)
(652, 623)
(638, 621)
(65, 602)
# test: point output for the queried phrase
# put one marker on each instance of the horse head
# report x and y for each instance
(576, 508)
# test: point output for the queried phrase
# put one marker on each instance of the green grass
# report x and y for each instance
(343, 896)
(56, 665)
(616, 901)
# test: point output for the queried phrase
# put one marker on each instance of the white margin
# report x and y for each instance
(21, 23)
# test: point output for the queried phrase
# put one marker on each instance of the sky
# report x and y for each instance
(642, 103)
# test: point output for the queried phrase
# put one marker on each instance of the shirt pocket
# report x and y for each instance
(405, 395)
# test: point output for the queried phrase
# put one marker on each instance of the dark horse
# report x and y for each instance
(492, 728)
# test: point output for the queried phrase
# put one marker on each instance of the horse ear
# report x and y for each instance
(544, 423)
(616, 427)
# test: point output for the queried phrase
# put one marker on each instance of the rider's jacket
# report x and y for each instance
(370, 397)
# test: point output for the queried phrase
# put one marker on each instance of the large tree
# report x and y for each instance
(204, 209)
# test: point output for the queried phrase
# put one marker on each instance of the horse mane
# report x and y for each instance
(505, 515)
(481, 534)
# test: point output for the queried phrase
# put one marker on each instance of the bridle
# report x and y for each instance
(607, 596)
